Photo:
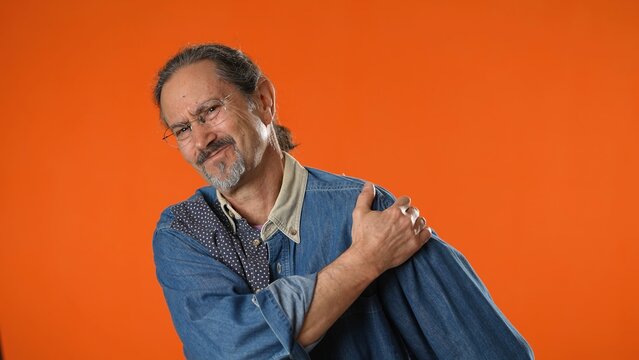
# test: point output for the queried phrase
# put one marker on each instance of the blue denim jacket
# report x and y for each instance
(433, 306)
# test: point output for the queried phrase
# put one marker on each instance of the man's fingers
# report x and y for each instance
(413, 212)
(403, 203)
(365, 198)
(425, 234)
(420, 223)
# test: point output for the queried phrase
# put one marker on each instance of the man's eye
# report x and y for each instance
(212, 111)
(181, 131)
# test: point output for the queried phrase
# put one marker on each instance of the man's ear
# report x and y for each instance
(265, 100)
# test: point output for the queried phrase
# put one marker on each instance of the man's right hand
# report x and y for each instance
(386, 239)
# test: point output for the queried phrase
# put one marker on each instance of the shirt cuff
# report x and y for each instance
(284, 304)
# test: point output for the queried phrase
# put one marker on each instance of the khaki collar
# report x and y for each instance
(287, 211)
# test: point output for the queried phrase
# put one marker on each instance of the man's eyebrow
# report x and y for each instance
(203, 106)
(174, 125)
(178, 124)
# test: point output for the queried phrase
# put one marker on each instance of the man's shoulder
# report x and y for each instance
(323, 181)
(203, 197)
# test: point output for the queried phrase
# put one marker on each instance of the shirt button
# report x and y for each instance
(279, 268)
(256, 242)
(293, 231)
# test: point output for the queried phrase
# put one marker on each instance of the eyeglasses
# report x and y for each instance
(210, 114)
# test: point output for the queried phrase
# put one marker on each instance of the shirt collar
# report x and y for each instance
(286, 214)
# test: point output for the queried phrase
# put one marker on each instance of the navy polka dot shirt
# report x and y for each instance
(241, 250)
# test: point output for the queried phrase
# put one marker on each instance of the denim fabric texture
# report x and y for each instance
(434, 306)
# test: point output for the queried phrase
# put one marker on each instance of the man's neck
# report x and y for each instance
(254, 197)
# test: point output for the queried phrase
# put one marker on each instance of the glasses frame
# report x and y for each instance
(168, 132)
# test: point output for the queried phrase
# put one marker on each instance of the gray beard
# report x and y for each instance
(233, 177)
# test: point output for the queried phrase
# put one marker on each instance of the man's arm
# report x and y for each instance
(216, 314)
(440, 307)
(213, 309)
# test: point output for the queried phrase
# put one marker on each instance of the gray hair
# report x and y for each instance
(232, 65)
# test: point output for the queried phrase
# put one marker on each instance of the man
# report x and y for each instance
(275, 260)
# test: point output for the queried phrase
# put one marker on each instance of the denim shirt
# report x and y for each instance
(433, 306)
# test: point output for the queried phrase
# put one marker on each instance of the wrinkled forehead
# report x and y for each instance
(189, 87)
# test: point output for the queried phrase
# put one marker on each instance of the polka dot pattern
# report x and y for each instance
(243, 251)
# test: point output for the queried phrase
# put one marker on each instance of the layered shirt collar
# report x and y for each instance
(287, 211)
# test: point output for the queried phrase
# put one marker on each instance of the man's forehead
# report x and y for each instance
(190, 86)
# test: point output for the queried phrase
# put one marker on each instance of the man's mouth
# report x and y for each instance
(213, 154)
(213, 149)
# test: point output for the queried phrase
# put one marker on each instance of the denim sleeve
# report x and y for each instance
(442, 309)
(214, 311)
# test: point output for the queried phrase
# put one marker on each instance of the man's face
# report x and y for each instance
(224, 152)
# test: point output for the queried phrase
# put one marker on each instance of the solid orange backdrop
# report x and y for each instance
(513, 126)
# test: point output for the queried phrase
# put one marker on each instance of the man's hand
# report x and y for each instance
(386, 239)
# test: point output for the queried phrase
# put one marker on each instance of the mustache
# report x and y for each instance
(213, 147)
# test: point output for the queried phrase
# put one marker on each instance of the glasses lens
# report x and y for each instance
(216, 114)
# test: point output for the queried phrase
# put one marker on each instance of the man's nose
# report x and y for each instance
(201, 134)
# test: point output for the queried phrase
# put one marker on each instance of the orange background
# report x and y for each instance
(513, 126)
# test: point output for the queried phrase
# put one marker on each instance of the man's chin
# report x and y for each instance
(220, 184)
(229, 178)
